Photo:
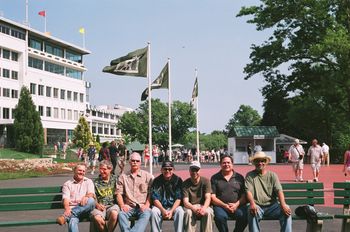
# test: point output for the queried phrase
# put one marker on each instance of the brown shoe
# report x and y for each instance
(61, 220)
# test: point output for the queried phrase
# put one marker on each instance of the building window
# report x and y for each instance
(74, 56)
(112, 116)
(112, 131)
(69, 95)
(5, 113)
(75, 96)
(63, 93)
(36, 44)
(35, 63)
(48, 91)
(106, 130)
(5, 92)
(99, 114)
(14, 93)
(32, 88)
(4, 29)
(14, 75)
(41, 110)
(6, 73)
(93, 129)
(81, 96)
(56, 51)
(69, 112)
(75, 115)
(55, 92)
(63, 114)
(14, 56)
(73, 73)
(55, 112)
(6, 54)
(54, 68)
(99, 129)
(48, 111)
(40, 90)
(18, 34)
(12, 113)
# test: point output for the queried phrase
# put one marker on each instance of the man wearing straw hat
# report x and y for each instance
(263, 191)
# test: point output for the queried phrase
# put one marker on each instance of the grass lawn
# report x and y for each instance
(13, 154)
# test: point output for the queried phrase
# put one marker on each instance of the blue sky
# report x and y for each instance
(203, 34)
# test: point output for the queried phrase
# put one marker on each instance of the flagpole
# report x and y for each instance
(197, 123)
(149, 108)
(84, 39)
(45, 22)
(169, 108)
(27, 20)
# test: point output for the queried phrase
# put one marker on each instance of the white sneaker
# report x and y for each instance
(301, 179)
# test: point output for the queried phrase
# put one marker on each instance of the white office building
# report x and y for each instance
(53, 71)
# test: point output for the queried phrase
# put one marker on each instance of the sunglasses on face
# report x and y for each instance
(167, 169)
(194, 169)
(260, 161)
(135, 161)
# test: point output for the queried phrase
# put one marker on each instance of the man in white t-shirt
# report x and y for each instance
(296, 157)
(325, 150)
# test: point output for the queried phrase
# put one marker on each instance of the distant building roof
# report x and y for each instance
(251, 131)
(286, 139)
(135, 146)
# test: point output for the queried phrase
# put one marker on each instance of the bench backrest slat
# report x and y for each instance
(23, 191)
(303, 193)
(24, 207)
(289, 193)
(30, 199)
(341, 193)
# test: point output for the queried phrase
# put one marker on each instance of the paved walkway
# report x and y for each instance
(328, 176)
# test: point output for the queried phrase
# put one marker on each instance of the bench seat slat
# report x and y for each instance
(30, 199)
(27, 223)
(342, 216)
(24, 207)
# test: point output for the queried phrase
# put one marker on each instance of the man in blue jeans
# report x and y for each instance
(78, 199)
(263, 188)
(228, 196)
(133, 197)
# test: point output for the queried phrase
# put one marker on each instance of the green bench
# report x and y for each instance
(342, 197)
(28, 199)
(306, 194)
(46, 198)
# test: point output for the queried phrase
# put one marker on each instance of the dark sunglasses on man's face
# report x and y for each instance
(194, 169)
(167, 169)
(260, 161)
(135, 161)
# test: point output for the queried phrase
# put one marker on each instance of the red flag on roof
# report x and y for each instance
(42, 13)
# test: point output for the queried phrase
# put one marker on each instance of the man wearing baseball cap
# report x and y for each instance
(197, 194)
(263, 191)
(166, 194)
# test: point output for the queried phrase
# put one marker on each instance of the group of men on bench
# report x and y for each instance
(135, 194)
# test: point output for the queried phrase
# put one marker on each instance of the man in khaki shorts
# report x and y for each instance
(106, 207)
(296, 157)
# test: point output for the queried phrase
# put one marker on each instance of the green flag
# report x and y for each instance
(133, 64)
(162, 82)
(194, 93)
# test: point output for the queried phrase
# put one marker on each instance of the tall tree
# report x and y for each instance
(135, 124)
(82, 135)
(312, 40)
(29, 133)
(245, 116)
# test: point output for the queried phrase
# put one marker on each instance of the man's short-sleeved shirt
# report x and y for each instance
(264, 188)
(167, 192)
(105, 191)
(196, 192)
(227, 191)
(74, 191)
(134, 188)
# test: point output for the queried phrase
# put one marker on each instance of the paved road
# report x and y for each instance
(207, 170)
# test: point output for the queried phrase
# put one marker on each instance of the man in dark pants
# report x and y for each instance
(113, 153)
(228, 196)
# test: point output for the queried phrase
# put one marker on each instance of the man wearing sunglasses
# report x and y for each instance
(197, 193)
(166, 194)
(132, 196)
(264, 190)
(228, 196)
